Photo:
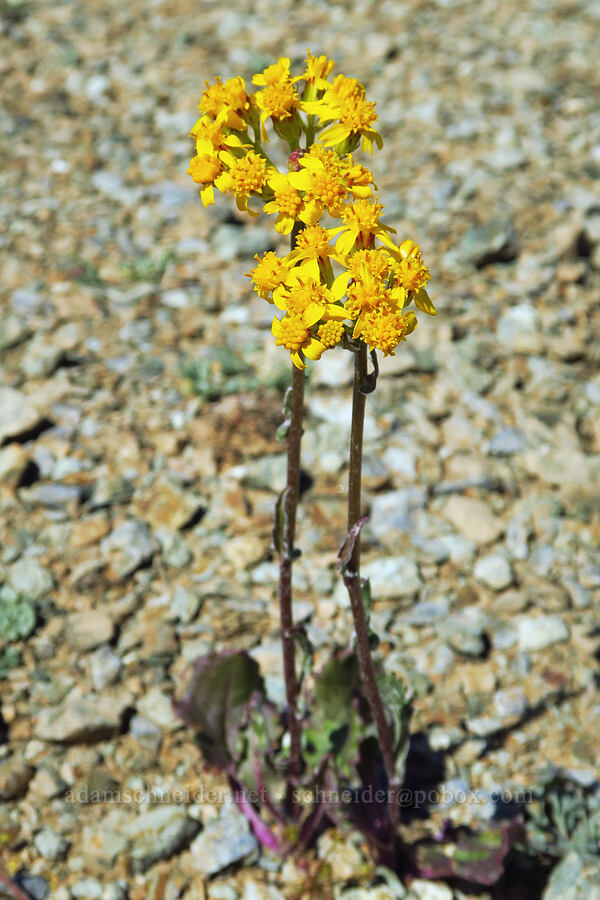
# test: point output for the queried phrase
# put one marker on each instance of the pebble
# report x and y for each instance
(519, 329)
(473, 519)
(429, 890)
(224, 841)
(13, 463)
(494, 241)
(87, 630)
(507, 442)
(494, 571)
(158, 834)
(88, 718)
(29, 579)
(19, 417)
(105, 667)
(510, 703)
(156, 705)
(51, 845)
(15, 775)
(128, 547)
(574, 878)
(392, 576)
(539, 632)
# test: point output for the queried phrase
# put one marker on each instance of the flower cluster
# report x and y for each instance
(376, 279)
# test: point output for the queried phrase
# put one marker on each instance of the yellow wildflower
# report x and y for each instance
(313, 243)
(208, 170)
(385, 330)
(292, 333)
(345, 101)
(309, 299)
(287, 203)
(226, 102)
(361, 225)
(317, 70)
(323, 189)
(211, 138)
(278, 101)
(270, 272)
(279, 71)
(246, 176)
(410, 270)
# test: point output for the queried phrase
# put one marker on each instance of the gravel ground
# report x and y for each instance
(136, 486)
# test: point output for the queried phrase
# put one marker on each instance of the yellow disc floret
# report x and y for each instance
(330, 333)
(293, 333)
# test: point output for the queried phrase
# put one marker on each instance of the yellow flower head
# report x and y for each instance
(247, 175)
(345, 101)
(376, 262)
(287, 203)
(294, 334)
(384, 331)
(226, 102)
(208, 170)
(410, 270)
(270, 272)
(318, 68)
(361, 225)
(323, 189)
(278, 72)
(313, 243)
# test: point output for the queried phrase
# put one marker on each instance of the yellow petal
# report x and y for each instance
(422, 301)
(340, 285)
(314, 349)
(297, 360)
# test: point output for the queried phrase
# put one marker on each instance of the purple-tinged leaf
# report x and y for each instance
(217, 701)
(475, 857)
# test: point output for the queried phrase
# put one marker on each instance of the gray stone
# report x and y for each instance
(579, 596)
(19, 416)
(224, 841)
(396, 511)
(51, 845)
(87, 630)
(88, 718)
(462, 550)
(510, 703)
(507, 442)
(495, 241)
(185, 605)
(519, 329)
(156, 705)
(473, 519)
(427, 611)
(128, 547)
(494, 571)
(464, 631)
(86, 889)
(15, 775)
(574, 878)
(393, 576)
(539, 632)
(430, 890)
(53, 496)
(158, 834)
(231, 241)
(105, 667)
(29, 579)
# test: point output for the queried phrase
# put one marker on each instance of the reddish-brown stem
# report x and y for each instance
(353, 583)
(290, 506)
